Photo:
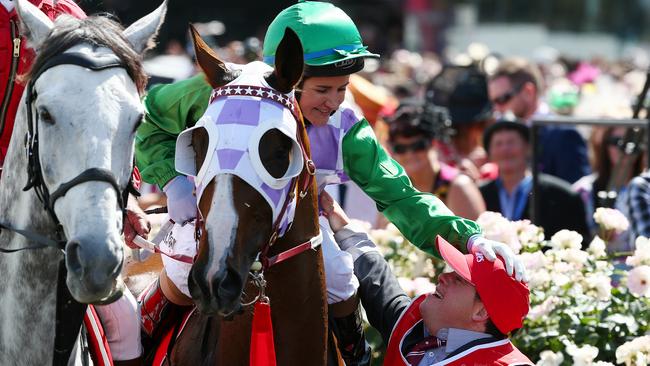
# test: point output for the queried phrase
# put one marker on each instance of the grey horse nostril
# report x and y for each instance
(72, 257)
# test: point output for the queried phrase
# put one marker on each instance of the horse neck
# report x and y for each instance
(27, 303)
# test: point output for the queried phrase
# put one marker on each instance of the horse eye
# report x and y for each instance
(45, 116)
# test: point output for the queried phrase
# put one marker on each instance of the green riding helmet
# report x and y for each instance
(331, 43)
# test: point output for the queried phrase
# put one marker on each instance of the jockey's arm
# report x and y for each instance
(419, 216)
(169, 109)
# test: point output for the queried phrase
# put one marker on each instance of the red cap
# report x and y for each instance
(505, 299)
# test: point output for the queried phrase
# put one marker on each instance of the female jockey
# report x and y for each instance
(343, 147)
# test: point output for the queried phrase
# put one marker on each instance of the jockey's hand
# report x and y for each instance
(136, 222)
(490, 249)
(181, 201)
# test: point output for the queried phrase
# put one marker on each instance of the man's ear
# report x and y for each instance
(479, 315)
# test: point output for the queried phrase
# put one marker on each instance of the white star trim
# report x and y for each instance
(228, 90)
(259, 92)
(219, 91)
(238, 90)
(249, 90)
(270, 94)
(280, 98)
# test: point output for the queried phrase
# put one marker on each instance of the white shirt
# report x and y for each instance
(8, 4)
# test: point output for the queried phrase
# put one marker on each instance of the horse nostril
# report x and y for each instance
(72, 257)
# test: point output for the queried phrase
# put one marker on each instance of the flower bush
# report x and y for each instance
(587, 306)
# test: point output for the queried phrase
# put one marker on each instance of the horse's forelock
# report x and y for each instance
(100, 31)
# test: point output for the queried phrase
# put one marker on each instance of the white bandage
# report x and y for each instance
(339, 267)
(121, 322)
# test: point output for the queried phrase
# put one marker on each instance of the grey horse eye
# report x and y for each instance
(45, 116)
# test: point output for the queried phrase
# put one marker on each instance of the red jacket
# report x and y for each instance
(16, 58)
(492, 352)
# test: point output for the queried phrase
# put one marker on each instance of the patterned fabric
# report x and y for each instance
(418, 351)
(639, 205)
(327, 144)
(238, 116)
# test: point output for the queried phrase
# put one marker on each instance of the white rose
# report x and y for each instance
(597, 247)
(638, 281)
(601, 285)
(498, 228)
(611, 219)
(634, 352)
(566, 239)
(533, 261)
(550, 358)
(538, 279)
(543, 309)
(641, 254)
(582, 356)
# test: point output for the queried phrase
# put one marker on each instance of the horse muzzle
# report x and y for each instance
(219, 295)
(92, 272)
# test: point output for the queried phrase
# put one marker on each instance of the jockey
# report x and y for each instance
(343, 146)
(16, 58)
(466, 321)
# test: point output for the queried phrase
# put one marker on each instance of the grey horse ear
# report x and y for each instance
(35, 25)
(289, 63)
(142, 33)
(215, 70)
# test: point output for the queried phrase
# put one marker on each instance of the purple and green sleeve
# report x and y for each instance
(419, 216)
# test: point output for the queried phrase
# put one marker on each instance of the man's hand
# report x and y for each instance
(490, 249)
(181, 201)
(136, 223)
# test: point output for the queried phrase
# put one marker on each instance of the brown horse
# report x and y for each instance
(240, 222)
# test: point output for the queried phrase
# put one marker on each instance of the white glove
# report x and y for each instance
(490, 249)
(181, 201)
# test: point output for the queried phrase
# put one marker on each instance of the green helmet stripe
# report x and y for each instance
(346, 48)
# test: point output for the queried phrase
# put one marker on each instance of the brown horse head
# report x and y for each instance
(244, 155)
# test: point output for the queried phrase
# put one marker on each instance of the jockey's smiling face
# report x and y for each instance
(321, 96)
(454, 304)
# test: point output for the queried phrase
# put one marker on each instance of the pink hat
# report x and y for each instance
(505, 299)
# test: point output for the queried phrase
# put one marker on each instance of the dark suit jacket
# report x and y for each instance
(563, 153)
(560, 207)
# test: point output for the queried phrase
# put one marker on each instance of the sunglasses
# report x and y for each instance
(505, 98)
(419, 145)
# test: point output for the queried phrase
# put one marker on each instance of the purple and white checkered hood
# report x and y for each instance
(327, 145)
(235, 124)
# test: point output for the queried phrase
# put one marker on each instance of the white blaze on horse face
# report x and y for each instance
(222, 221)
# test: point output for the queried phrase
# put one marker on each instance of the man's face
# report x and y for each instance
(452, 305)
(508, 97)
(509, 151)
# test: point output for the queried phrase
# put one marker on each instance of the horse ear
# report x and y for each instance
(215, 70)
(142, 33)
(34, 23)
(288, 63)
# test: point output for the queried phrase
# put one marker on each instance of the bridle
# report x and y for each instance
(34, 170)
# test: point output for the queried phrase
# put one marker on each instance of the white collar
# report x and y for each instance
(8, 4)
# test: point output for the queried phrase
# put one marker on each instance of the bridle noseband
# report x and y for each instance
(34, 170)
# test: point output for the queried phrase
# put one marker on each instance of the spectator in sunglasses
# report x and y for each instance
(516, 87)
(410, 137)
(607, 149)
(462, 92)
